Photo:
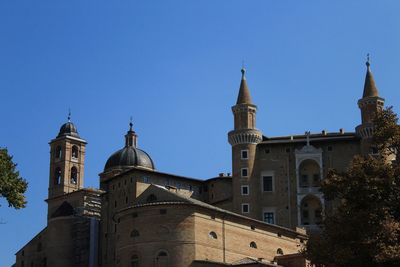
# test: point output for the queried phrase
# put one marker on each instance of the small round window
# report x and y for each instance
(213, 235)
(253, 245)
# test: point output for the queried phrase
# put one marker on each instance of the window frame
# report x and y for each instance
(75, 152)
(135, 260)
(58, 176)
(263, 183)
(247, 154)
(247, 172)
(58, 152)
(248, 208)
(73, 177)
(270, 212)
(241, 190)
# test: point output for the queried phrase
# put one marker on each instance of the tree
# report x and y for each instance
(12, 186)
(364, 227)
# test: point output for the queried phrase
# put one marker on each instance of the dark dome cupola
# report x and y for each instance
(68, 129)
(129, 156)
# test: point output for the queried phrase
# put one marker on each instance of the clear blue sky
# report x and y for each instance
(175, 67)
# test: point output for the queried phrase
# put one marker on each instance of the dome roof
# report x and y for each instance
(68, 128)
(129, 156)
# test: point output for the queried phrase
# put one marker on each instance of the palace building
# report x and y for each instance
(140, 216)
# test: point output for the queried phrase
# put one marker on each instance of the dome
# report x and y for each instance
(130, 155)
(127, 157)
(68, 128)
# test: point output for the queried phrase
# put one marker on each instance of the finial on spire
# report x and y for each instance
(130, 124)
(243, 70)
(69, 114)
(244, 94)
(367, 63)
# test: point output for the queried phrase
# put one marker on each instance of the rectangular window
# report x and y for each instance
(245, 208)
(146, 179)
(267, 184)
(244, 154)
(245, 172)
(269, 217)
(245, 190)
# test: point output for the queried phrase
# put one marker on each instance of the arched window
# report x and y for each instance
(279, 251)
(58, 152)
(75, 152)
(151, 198)
(310, 210)
(253, 244)
(135, 261)
(309, 174)
(213, 235)
(135, 233)
(162, 254)
(57, 176)
(162, 259)
(74, 175)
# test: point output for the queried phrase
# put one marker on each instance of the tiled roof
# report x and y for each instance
(244, 93)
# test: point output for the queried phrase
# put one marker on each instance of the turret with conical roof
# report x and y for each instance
(370, 104)
(243, 139)
(370, 89)
(244, 111)
(244, 93)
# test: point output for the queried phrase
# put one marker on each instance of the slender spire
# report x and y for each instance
(370, 89)
(244, 93)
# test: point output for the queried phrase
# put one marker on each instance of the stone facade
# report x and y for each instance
(277, 179)
(258, 216)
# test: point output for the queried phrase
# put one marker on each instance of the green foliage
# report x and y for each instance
(12, 186)
(364, 227)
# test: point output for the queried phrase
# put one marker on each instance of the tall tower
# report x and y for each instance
(370, 104)
(67, 157)
(243, 139)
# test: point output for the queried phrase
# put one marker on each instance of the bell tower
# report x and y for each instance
(243, 139)
(370, 104)
(67, 157)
